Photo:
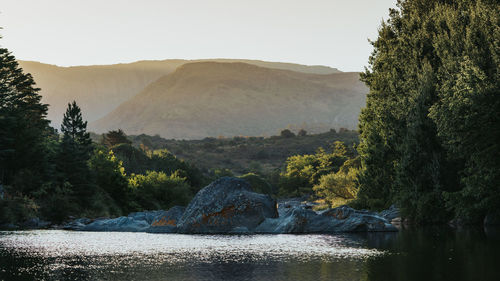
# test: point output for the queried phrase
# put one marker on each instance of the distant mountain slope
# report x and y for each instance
(210, 99)
(101, 88)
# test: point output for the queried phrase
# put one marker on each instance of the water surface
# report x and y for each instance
(407, 255)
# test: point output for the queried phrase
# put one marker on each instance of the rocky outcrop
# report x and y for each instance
(148, 221)
(391, 213)
(226, 205)
(78, 224)
(300, 219)
(229, 206)
(121, 224)
(166, 222)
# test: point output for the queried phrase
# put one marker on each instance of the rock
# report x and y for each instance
(240, 230)
(122, 224)
(347, 219)
(225, 205)
(148, 216)
(391, 213)
(77, 224)
(229, 206)
(296, 220)
(300, 219)
(166, 221)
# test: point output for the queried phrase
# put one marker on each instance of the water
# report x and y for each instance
(407, 255)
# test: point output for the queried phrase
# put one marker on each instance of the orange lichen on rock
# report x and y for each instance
(164, 222)
(227, 212)
(339, 214)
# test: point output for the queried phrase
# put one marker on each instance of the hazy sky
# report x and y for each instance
(83, 32)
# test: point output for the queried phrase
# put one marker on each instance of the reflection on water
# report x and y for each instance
(408, 255)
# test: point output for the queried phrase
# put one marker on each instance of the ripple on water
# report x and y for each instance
(53, 243)
(126, 255)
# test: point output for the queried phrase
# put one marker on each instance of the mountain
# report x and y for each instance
(210, 99)
(99, 89)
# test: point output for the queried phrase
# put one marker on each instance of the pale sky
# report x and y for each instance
(85, 32)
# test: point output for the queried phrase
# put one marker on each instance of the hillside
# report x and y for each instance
(244, 154)
(99, 89)
(210, 99)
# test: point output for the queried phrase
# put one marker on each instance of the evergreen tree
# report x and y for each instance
(113, 138)
(429, 133)
(74, 154)
(23, 128)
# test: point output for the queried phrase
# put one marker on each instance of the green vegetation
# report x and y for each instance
(428, 137)
(340, 188)
(331, 176)
(430, 131)
(56, 176)
(242, 155)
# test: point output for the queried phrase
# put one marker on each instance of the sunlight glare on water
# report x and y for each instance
(115, 256)
(67, 243)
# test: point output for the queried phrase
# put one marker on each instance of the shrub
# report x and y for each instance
(157, 190)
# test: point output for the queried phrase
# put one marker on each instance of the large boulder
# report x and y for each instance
(299, 219)
(226, 205)
(166, 222)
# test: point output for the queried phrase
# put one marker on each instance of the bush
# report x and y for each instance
(157, 190)
(304, 171)
(341, 187)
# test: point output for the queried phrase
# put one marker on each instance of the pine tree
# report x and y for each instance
(23, 128)
(113, 138)
(75, 152)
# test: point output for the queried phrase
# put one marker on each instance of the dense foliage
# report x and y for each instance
(303, 172)
(430, 131)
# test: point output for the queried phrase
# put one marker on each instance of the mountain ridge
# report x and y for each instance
(209, 99)
(99, 89)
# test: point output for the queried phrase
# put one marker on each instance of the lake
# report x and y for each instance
(423, 254)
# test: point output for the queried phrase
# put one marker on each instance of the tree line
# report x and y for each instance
(429, 135)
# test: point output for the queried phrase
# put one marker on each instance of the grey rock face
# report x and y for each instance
(224, 205)
(342, 219)
(391, 213)
(166, 222)
(77, 224)
(148, 216)
(122, 224)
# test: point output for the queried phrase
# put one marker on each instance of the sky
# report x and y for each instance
(87, 32)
